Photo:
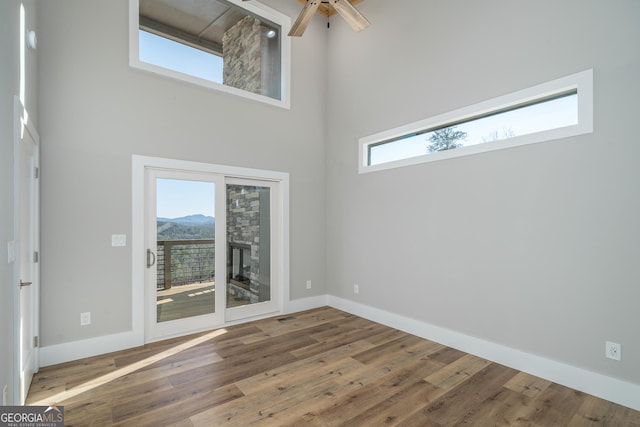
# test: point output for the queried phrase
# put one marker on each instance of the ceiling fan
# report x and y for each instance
(349, 13)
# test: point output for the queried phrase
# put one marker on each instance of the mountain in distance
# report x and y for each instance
(191, 227)
(197, 219)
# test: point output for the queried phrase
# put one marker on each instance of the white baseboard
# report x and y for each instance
(66, 352)
(605, 387)
(608, 388)
(303, 304)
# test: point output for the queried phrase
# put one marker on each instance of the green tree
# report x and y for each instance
(445, 139)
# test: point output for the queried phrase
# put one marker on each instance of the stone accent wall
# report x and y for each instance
(243, 227)
(243, 214)
(242, 54)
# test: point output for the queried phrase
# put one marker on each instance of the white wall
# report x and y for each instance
(97, 112)
(10, 87)
(535, 248)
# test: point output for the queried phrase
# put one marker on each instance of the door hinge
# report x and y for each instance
(36, 172)
(36, 257)
(36, 341)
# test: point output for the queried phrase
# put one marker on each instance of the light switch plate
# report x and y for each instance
(11, 251)
(118, 240)
(85, 318)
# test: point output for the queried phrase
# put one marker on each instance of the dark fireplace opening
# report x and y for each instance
(239, 264)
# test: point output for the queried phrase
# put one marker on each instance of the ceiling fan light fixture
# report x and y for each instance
(310, 8)
(343, 7)
(349, 13)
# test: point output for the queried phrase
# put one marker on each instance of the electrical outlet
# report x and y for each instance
(85, 318)
(612, 350)
(308, 284)
(356, 289)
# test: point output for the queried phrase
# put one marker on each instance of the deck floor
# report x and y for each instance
(190, 300)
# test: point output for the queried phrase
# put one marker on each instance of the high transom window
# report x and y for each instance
(552, 110)
(229, 45)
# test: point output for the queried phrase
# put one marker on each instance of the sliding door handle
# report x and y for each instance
(23, 284)
(151, 258)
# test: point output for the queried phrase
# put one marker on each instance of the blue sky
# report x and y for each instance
(179, 57)
(177, 198)
(534, 118)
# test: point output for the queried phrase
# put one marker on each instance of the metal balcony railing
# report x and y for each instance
(183, 262)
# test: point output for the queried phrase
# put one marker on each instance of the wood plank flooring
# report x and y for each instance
(321, 367)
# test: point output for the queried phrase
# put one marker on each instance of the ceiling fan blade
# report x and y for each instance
(350, 14)
(304, 18)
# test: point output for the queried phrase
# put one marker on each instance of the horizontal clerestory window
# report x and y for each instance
(552, 110)
(229, 45)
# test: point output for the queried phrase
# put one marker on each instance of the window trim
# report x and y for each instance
(253, 7)
(581, 82)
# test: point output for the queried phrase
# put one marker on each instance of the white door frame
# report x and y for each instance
(139, 165)
(24, 128)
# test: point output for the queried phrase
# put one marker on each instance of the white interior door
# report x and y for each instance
(27, 275)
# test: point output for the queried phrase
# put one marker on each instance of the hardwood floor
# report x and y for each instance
(321, 367)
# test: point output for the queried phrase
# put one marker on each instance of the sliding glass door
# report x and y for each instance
(210, 251)
(249, 248)
(182, 250)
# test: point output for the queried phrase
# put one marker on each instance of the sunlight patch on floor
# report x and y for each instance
(104, 379)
